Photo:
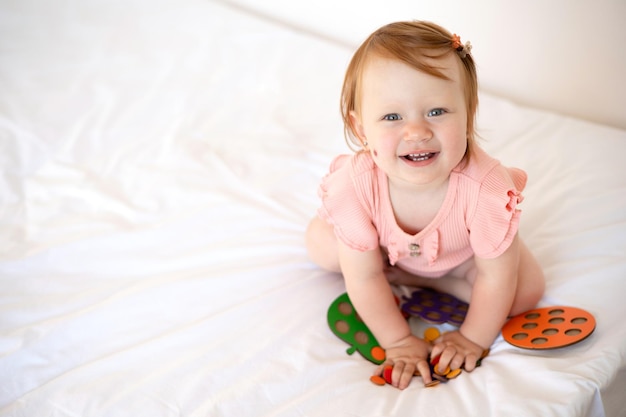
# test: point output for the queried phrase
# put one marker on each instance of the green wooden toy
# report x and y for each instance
(346, 324)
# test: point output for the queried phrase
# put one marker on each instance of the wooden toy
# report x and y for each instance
(549, 327)
(346, 324)
(435, 307)
(542, 328)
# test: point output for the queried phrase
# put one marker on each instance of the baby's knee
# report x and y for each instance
(531, 282)
(321, 245)
(538, 288)
(529, 293)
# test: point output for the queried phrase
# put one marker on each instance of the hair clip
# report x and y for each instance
(463, 50)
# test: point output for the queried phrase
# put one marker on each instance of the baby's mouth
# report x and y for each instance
(418, 157)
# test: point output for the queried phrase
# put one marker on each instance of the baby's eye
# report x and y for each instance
(436, 112)
(392, 117)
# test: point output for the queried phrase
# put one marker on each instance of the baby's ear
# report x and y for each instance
(357, 127)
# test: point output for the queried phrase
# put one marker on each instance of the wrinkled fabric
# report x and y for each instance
(159, 161)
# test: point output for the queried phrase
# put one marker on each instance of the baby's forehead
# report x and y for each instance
(445, 67)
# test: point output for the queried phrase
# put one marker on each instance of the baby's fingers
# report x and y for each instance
(438, 348)
(470, 362)
(385, 371)
(449, 357)
(398, 374)
(402, 374)
(423, 369)
(473, 361)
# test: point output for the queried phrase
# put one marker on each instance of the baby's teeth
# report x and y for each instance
(418, 156)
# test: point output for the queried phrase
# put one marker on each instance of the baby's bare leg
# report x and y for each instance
(321, 245)
(457, 283)
(530, 282)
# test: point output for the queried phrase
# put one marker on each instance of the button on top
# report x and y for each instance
(414, 249)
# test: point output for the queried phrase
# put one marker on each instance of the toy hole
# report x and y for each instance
(463, 308)
(520, 336)
(529, 326)
(361, 338)
(550, 332)
(433, 315)
(539, 341)
(428, 303)
(556, 312)
(556, 320)
(446, 309)
(445, 299)
(342, 326)
(579, 320)
(457, 318)
(416, 308)
(573, 332)
(532, 316)
(345, 308)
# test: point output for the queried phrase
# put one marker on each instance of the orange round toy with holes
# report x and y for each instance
(549, 328)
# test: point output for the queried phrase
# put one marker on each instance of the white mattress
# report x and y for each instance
(160, 161)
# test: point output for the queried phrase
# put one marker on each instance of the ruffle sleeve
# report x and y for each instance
(496, 218)
(342, 208)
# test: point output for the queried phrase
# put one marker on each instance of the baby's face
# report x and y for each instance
(415, 124)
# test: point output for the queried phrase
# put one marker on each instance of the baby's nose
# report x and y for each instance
(417, 131)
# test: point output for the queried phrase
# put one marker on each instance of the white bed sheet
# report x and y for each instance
(159, 166)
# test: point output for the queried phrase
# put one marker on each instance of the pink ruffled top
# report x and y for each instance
(479, 215)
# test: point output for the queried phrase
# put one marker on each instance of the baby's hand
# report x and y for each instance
(407, 356)
(456, 351)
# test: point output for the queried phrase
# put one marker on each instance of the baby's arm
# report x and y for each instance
(491, 300)
(373, 299)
